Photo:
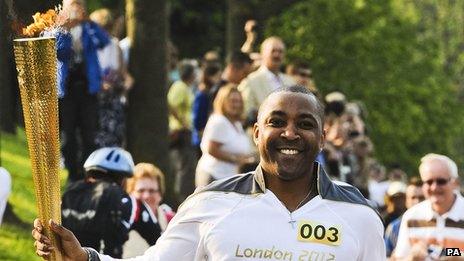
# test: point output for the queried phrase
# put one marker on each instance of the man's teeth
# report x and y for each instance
(289, 151)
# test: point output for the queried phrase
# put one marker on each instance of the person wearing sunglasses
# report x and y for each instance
(438, 222)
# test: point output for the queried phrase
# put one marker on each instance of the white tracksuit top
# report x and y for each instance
(239, 219)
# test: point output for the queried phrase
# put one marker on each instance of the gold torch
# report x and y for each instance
(36, 66)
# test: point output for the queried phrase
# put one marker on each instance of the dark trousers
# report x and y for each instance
(78, 116)
(184, 160)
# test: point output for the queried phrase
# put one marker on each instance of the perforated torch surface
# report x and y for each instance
(36, 66)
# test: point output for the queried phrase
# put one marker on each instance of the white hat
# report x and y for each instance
(396, 187)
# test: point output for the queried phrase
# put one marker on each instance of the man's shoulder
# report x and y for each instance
(346, 197)
(242, 184)
(178, 85)
(340, 191)
(253, 78)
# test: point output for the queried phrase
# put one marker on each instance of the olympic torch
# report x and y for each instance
(36, 66)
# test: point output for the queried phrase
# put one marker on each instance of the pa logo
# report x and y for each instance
(452, 251)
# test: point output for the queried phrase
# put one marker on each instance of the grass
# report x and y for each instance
(17, 243)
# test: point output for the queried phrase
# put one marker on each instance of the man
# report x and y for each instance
(182, 153)
(79, 81)
(414, 195)
(237, 68)
(259, 84)
(395, 201)
(302, 74)
(288, 209)
(98, 210)
(435, 223)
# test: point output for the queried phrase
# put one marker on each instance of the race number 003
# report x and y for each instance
(310, 231)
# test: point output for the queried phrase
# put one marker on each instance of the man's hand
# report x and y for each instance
(418, 252)
(72, 250)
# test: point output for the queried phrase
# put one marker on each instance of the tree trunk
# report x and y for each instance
(238, 11)
(148, 112)
(7, 73)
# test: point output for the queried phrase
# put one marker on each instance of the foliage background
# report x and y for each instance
(387, 55)
(403, 59)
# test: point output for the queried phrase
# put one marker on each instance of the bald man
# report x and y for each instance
(268, 78)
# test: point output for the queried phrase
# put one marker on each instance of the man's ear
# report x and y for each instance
(456, 183)
(255, 133)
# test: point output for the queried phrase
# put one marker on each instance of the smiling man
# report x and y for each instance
(438, 222)
(287, 209)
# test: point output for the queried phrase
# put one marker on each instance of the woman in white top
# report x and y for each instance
(225, 145)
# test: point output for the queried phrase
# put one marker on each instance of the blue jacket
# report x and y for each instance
(201, 110)
(93, 38)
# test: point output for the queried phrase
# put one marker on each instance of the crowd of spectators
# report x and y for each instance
(212, 110)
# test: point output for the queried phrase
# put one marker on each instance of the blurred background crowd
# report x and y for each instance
(212, 104)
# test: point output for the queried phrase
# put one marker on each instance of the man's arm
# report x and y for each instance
(179, 242)
(372, 245)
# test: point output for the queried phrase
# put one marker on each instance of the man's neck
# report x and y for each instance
(272, 70)
(294, 193)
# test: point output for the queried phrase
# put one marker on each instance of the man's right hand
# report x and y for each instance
(72, 250)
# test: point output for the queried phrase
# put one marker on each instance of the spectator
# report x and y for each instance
(5, 189)
(79, 81)
(378, 185)
(116, 83)
(147, 186)
(414, 195)
(303, 75)
(237, 68)
(225, 145)
(180, 98)
(259, 84)
(395, 201)
(360, 159)
(202, 103)
(98, 210)
(435, 223)
(335, 107)
(351, 121)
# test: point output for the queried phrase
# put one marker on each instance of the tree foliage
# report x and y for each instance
(383, 54)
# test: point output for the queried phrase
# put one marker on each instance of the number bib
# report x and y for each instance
(311, 231)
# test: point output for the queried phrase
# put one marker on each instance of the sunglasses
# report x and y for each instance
(439, 181)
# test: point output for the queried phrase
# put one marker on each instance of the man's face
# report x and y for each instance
(273, 55)
(438, 184)
(414, 195)
(288, 134)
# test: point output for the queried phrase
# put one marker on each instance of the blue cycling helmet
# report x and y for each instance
(110, 160)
